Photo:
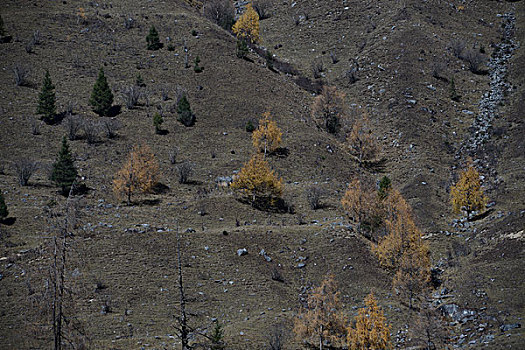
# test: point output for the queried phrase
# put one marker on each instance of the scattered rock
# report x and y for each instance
(242, 251)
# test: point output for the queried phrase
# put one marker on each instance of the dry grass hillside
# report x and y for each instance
(122, 260)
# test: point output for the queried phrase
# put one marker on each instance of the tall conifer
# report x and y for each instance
(64, 170)
(101, 96)
(46, 100)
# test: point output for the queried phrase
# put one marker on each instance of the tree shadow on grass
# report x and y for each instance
(377, 165)
(114, 111)
(8, 221)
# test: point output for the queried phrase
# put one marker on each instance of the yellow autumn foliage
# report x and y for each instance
(267, 137)
(247, 26)
(322, 320)
(467, 193)
(139, 173)
(256, 179)
(360, 202)
(371, 330)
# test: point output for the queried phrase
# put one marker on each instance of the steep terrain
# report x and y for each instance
(123, 258)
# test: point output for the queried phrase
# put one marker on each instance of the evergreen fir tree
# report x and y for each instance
(153, 39)
(157, 122)
(186, 116)
(3, 208)
(46, 101)
(64, 170)
(101, 97)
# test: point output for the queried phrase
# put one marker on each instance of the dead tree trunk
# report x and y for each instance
(183, 320)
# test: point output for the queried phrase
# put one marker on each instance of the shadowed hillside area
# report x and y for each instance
(262, 175)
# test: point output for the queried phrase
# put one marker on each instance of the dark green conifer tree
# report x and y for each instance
(101, 96)
(186, 116)
(64, 170)
(46, 100)
(153, 39)
(3, 208)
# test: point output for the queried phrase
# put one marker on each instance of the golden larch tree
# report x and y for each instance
(360, 202)
(258, 181)
(467, 194)
(140, 173)
(267, 137)
(413, 275)
(329, 109)
(247, 26)
(399, 226)
(371, 330)
(362, 142)
(322, 321)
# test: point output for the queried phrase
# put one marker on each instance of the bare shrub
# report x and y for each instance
(317, 68)
(276, 275)
(179, 93)
(476, 61)
(313, 196)
(438, 67)
(351, 75)
(30, 46)
(131, 96)
(164, 93)
(35, 126)
(262, 9)
(70, 107)
(173, 155)
(24, 169)
(37, 37)
(110, 126)
(91, 130)
(73, 125)
(20, 72)
(333, 56)
(221, 12)
(457, 46)
(185, 170)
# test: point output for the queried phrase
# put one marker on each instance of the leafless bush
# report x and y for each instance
(438, 67)
(457, 46)
(24, 169)
(317, 68)
(73, 125)
(351, 75)
(185, 170)
(37, 37)
(70, 107)
(333, 56)
(476, 61)
(131, 96)
(173, 155)
(35, 126)
(91, 130)
(276, 275)
(21, 74)
(262, 9)
(30, 46)
(313, 196)
(179, 93)
(110, 126)
(221, 12)
(164, 93)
